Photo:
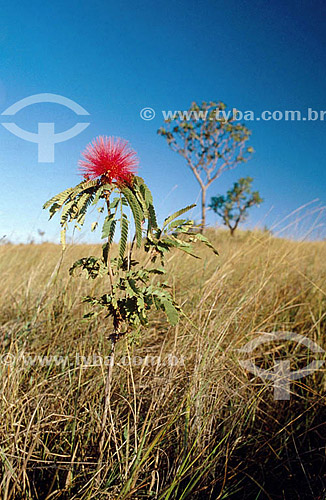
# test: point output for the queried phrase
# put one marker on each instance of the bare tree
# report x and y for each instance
(211, 141)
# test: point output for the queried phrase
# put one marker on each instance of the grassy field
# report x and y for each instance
(186, 420)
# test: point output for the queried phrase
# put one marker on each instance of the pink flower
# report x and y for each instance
(109, 158)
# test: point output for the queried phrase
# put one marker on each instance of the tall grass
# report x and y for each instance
(194, 425)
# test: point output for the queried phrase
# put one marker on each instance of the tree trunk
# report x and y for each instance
(232, 229)
(203, 209)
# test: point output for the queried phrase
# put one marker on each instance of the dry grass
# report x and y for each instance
(195, 425)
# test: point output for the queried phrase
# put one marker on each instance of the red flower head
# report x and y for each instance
(109, 158)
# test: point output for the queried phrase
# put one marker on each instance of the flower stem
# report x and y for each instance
(108, 257)
(107, 395)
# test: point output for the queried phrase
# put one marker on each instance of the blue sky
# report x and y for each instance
(115, 58)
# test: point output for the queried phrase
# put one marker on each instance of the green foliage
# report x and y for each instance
(92, 266)
(233, 208)
(133, 296)
(124, 235)
(109, 227)
(133, 289)
(172, 217)
(137, 212)
(74, 203)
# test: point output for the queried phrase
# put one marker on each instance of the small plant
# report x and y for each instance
(110, 182)
(233, 208)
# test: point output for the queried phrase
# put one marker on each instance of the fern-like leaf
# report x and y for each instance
(206, 241)
(124, 235)
(137, 212)
(177, 214)
(145, 198)
(106, 229)
(82, 206)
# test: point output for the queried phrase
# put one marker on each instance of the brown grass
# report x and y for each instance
(196, 425)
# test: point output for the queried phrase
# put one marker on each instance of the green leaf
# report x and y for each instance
(114, 203)
(137, 212)
(206, 241)
(98, 195)
(62, 197)
(145, 198)
(54, 209)
(93, 266)
(170, 311)
(188, 251)
(177, 214)
(176, 223)
(68, 210)
(124, 235)
(83, 203)
(144, 189)
(158, 270)
(112, 231)
(152, 218)
(106, 229)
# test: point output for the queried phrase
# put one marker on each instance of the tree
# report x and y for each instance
(210, 140)
(233, 208)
